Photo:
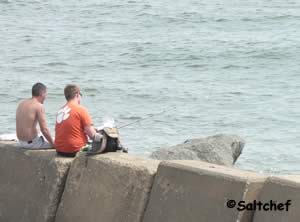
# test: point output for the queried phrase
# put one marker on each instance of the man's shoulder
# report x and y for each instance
(83, 109)
(28, 103)
(78, 108)
(23, 102)
(38, 106)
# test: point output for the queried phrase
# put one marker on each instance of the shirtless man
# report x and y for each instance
(29, 113)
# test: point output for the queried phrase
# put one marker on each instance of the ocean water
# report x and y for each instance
(211, 66)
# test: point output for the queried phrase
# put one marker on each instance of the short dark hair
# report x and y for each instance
(70, 91)
(38, 88)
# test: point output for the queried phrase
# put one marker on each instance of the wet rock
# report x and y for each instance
(222, 149)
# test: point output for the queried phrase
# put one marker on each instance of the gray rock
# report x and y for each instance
(222, 149)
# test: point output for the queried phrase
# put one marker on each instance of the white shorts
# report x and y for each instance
(37, 143)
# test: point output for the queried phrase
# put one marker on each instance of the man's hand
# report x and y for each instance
(98, 137)
(90, 131)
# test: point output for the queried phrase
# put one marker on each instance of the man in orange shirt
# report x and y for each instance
(73, 124)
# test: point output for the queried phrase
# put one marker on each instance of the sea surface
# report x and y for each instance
(203, 67)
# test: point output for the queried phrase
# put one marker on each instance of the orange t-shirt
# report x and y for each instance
(69, 129)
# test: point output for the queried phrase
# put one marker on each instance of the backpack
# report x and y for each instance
(109, 143)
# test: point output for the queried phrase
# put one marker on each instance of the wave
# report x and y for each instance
(5, 1)
(196, 65)
(221, 20)
(268, 18)
(235, 67)
(56, 64)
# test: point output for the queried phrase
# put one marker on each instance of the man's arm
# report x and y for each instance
(43, 125)
(92, 134)
(90, 131)
(88, 126)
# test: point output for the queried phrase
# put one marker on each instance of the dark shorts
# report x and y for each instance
(66, 154)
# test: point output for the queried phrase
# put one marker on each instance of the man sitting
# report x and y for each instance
(73, 124)
(29, 113)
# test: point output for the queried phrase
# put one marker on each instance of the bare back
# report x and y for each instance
(27, 118)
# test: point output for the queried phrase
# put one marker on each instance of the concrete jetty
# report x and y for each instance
(39, 186)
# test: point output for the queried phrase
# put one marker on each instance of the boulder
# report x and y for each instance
(222, 149)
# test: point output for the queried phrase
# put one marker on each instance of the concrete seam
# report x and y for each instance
(148, 197)
(61, 192)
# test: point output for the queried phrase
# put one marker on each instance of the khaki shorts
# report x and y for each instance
(37, 143)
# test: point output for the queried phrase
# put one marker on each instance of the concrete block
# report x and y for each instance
(112, 187)
(31, 183)
(280, 190)
(196, 191)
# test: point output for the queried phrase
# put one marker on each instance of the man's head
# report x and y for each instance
(72, 92)
(39, 91)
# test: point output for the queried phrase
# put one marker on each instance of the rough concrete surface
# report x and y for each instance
(31, 183)
(280, 189)
(196, 191)
(112, 187)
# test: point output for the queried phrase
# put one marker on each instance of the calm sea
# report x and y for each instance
(213, 66)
